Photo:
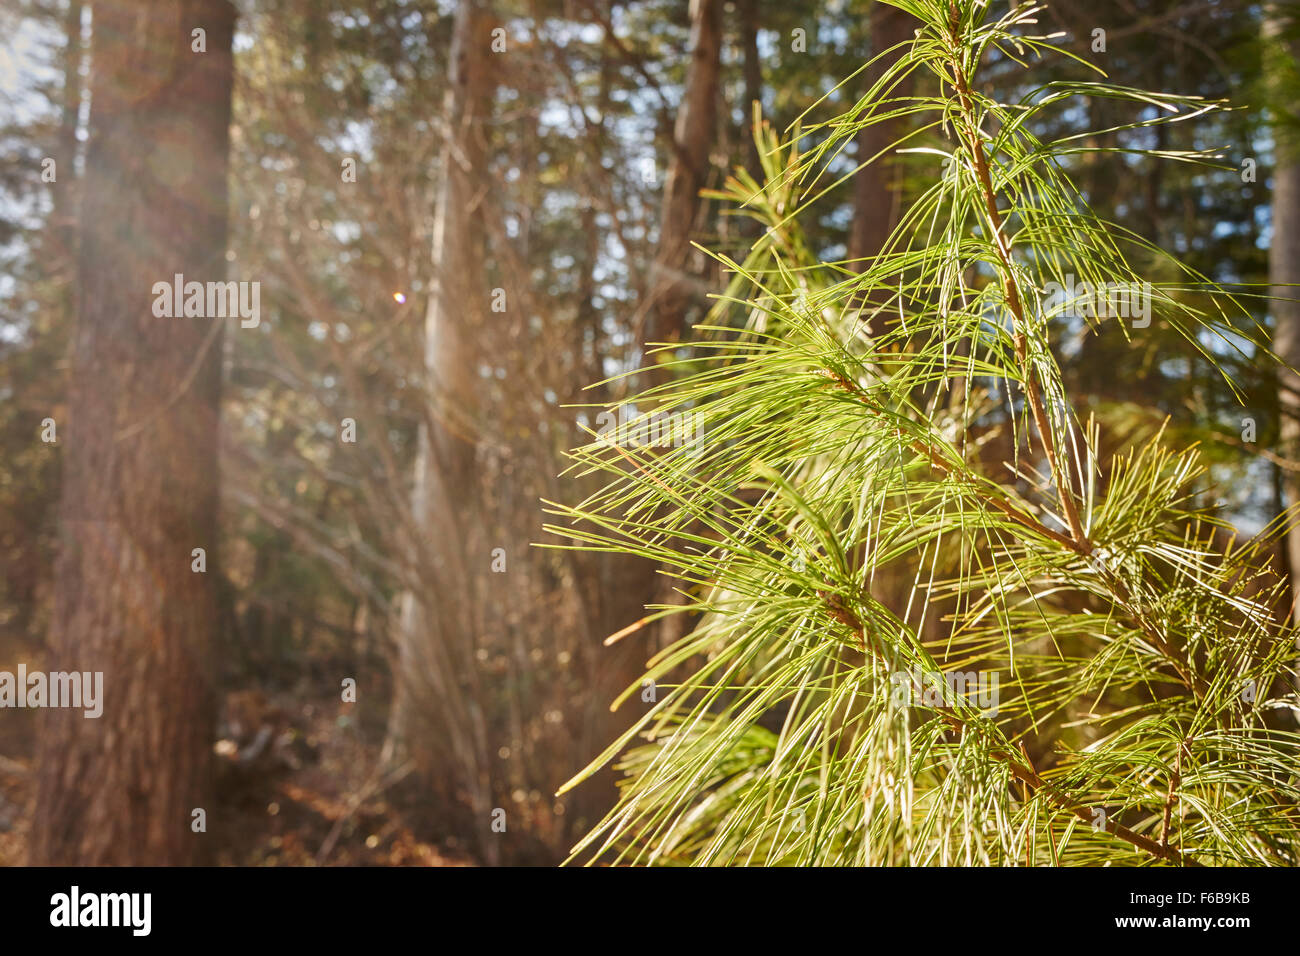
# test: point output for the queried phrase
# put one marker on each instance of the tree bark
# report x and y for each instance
(877, 189)
(748, 12)
(435, 718)
(877, 206)
(1284, 270)
(140, 475)
(671, 288)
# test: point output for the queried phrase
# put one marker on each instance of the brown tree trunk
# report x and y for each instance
(140, 474)
(671, 287)
(435, 718)
(877, 205)
(1284, 270)
(877, 189)
(748, 12)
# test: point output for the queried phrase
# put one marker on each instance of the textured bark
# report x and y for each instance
(1284, 274)
(140, 475)
(671, 287)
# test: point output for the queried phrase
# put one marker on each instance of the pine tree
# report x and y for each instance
(140, 471)
(1088, 667)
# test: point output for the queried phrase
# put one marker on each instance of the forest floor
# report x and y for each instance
(296, 786)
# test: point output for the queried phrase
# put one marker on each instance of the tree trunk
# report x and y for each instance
(877, 206)
(140, 474)
(877, 189)
(435, 717)
(1284, 268)
(748, 12)
(671, 288)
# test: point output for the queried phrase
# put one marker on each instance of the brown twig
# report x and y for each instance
(1035, 398)
(1175, 778)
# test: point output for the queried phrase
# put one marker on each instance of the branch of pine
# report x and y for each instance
(976, 145)
(1026, 774)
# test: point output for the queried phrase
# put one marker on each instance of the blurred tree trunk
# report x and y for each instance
(25, 577)
(748, 26)
(748, 10)
(877, 206)
(672, 288)
(140, 472)
(877, 189)
(1281, 53)
(436, 717)
(64, 216)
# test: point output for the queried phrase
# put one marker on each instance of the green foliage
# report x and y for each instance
(848, 532)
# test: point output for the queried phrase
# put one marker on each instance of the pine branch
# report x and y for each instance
(1025, 772)
(975, 144)
(783, 517)
(1081, 546)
